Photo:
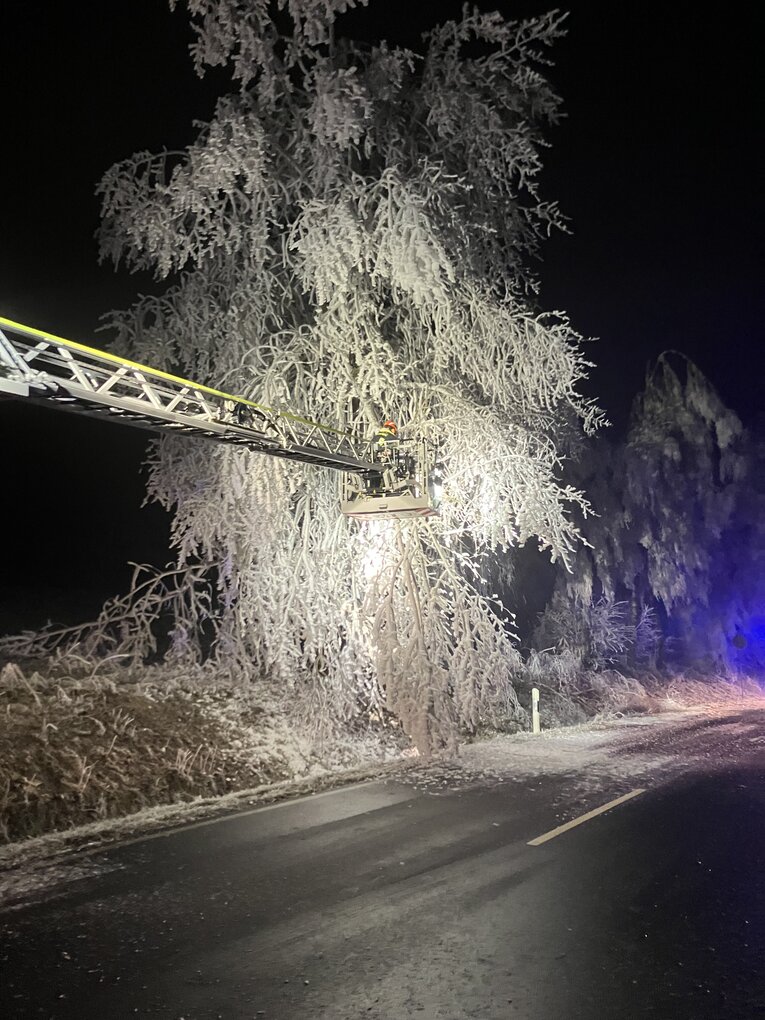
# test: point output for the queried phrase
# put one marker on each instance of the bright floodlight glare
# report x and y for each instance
(376, 534)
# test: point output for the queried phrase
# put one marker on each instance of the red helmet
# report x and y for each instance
(391, 425)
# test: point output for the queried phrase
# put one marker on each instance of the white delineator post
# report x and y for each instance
(535, 727)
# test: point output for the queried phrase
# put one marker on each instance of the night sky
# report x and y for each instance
(658, 164)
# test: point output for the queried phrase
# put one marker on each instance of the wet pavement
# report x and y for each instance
(388, 901)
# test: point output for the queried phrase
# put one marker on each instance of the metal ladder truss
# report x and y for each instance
(400, 480)
(49, 369)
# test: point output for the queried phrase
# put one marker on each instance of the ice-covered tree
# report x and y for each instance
(350, 237)
(671, 535)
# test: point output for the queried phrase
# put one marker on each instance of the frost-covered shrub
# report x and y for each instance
(597, 633)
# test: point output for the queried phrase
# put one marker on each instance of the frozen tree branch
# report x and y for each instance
(350, 237)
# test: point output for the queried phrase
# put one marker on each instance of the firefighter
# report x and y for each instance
(387, 433)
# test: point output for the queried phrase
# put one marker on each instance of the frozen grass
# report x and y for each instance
(82, 748)
(691, 691)
(570, 695)
(80, 745)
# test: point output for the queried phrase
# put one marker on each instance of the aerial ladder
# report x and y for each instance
(392, 480)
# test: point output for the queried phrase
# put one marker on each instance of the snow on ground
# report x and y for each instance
(563, 751)
(594, 756)
(589, 751)
(616, 754)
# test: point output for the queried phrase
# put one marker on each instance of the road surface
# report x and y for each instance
(388, 901)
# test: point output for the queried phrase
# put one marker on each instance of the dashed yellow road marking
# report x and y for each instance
(584, 818)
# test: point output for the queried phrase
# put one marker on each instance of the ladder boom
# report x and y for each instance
(48, 368)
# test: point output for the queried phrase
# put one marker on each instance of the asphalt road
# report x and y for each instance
(383, 901)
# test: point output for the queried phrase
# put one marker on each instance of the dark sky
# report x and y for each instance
(658, 164)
